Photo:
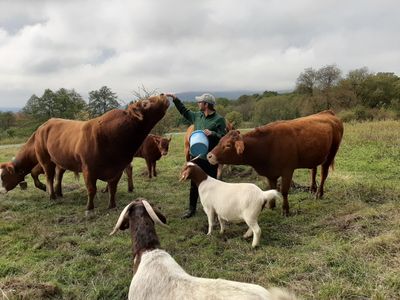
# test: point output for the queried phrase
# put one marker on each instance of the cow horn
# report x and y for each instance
(122, 217)
(152, 214)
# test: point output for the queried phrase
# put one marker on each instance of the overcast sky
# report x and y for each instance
(181, 45)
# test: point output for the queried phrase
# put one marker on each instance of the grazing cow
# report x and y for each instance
(100, 148)
(189, 132)
(25, 162)
(277, 149)
(152, 148)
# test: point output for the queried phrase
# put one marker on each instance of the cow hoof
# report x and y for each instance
(23, 185)
(89, 213)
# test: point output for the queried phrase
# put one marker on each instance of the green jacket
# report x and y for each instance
(214, 122)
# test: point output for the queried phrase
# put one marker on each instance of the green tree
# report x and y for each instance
(235, 118)
(61, 104)
(306, 82)
(102, 101)
(379, 90)
(328, 77)
(68, 104)
(7, 119)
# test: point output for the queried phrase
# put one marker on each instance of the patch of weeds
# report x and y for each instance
(8, 268)
(22, 289)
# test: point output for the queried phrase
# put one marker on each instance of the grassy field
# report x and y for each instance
(346, 246)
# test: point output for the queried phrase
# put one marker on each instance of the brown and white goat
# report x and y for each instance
(159, 276)
(232, 202)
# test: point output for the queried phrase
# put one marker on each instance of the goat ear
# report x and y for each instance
(239, 145)
(184, 175)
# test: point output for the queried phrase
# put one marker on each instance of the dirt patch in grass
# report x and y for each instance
(29, 290)
(344, 223)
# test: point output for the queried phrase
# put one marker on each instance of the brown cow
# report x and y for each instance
(277, 149)
(186, 150)
(25, 162)
(152, 148)
(100, 148)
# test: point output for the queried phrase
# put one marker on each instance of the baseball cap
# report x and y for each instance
(206, 97)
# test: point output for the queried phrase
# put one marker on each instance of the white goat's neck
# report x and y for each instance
(197, 175)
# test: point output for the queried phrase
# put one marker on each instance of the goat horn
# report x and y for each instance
(193, 159)
(121, 217)
(152, 214)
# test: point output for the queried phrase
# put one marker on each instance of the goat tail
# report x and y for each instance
(281, 294)
(270, 198)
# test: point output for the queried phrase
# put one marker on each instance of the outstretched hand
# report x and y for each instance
(170, 95)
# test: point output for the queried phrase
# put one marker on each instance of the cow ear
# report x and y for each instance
(137, 114)
(239, 145)
(10, 168)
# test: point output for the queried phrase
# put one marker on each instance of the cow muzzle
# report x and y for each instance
(212, 159)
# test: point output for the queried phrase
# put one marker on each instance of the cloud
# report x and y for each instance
(181, 46)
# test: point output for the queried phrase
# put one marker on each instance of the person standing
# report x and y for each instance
(213, 126)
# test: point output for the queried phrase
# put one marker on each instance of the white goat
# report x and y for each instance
(159, 276)
(233, 202)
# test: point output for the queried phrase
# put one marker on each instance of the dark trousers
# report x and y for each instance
(211, 170)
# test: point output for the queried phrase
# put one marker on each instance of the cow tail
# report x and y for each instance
(333, 165)
(76, 175)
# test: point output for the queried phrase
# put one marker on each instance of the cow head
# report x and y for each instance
(151, 109)
(162, 144)
(9, 177)
(229, 149)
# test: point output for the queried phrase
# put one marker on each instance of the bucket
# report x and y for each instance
(198, 142)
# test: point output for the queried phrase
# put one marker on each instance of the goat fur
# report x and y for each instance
(231, 202)
(159, 276)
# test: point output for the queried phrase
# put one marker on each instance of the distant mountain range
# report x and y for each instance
(12, 109)
(186, 96)
(231, 95)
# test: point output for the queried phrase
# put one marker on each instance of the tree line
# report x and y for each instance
(359, 95)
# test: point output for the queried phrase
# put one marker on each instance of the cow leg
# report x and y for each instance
(154, 169)
(112, 189)
(49, 169)
(59, 175)
(285, 186)
(324, 175)
(90, 183)
(313, 186)
(128, 172)
(272, 185)
(36, 171)
(148, 163)
(325, 170)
